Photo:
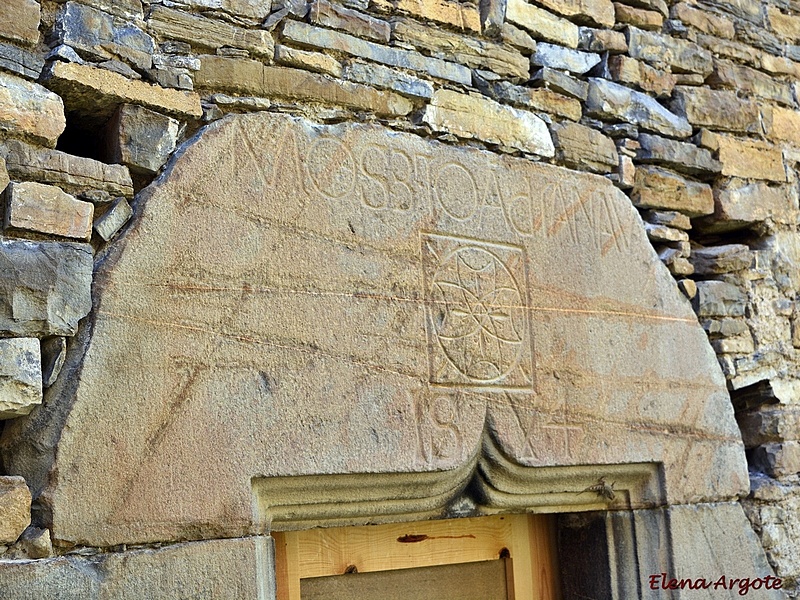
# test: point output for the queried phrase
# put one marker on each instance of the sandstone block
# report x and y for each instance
(253, 11)
(785, 125)
(462, 16)
(561, 82)
(715, 260)
(47, 209)
(602, 40)
(21, 61)
(311, 61)
(514, 36)
(539, 99)
(140, 138)
(461, 49)
(778, 459)
(493, 16)
(28, 110)
(740, 78)
(74, 174)
(611, 100)
(20, 384)
(717, 109)
(252, 77)
(45, 287)
(33, 543)
(15, 508)
(390, 79)
(750, 159)
(703, 20)
(209, 33)
(100, 92)
(764, 425)
(663, 234)
(315, 37)
(558, 57)
(681, 156)
(629, 70)
(486, 120)
(730, 49)
(581, 147)
(661, 189)
(683, 56)
(590, 12)
(638, 17)
(786, 26)
(725, 327)
(670, 218)
(740, 203)
(720, 299)
(360, 25)
(542, 24)
(100, 36)
(19, 21)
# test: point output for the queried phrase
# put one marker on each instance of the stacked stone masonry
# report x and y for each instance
(691, 108)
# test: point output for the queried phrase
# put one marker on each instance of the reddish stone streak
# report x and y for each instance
(411, 538)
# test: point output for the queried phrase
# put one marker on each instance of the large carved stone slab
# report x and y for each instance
(298, 300)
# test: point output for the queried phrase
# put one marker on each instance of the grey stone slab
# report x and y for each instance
(45, 287)
(682, 55)
(682, 156)
(21, 61)
(109, 224)
(566, 59)
(54, 352)
(386, 78)
(298, 322)
(720, 299)
(140, 138)
(20, 376)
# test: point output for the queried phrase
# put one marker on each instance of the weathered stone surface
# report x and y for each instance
(715, 260)
(460, 15)
(720, 299)
(316, 37)
(629, 70)
(311, 61)
(140, 138)
(33, 543)
(744, 79)
(740, 203)
(558, 57)
(661, 189)
(726, 328)
(99, 91)
(683, 56)
(19, 21)
(28, 110)
(778, 459)
(326, 14)
(253, 10)
(47, 209)
(750, 159)
(252, 77)
(390, 79)
(209, 33)
(699, 533)
(542, 24)
(611, 100)
(15, 508)
(234, 569)
(45, 287)
(716, 109)
(785, 125)
(787, 26)
(21, 61)
(476, 117)
(99, 36)
(581, 147)
(561, 82)
(368, 216)
(493, 16)
(662, 233)
(589, 12)
(638, 17)
(765, 425)
(74, 174)
(54, 352)
(703, 20)
(730, 49)
(518, 38)
(682, 156)
(113, 219)
(602, 40)
(20, 383)
(539, 99)
(462, 49)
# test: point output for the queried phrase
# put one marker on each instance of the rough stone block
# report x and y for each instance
(611, 100)
(717, 109)
(661, 189)
(15, 508)
(681, 156)
(47, 209)
(315, 37)
(744, 79)
(629, 70)
(785, 125)
(45, 287)
(662, 234)
(465, 50)
(561, 82)
(32, 544)
(670, 218)
(20, 381)
(74, 174)
(602, 40)
(765, 425)
(581, 147)
(683, 56)
(19, 21)
(209, 33)
(589, 12)
(311, 61)
(140, 138)
(99, 91)
(390, 79)
(786, 26)
(538, 99)
(638, 17)
(740, 203)
(542, 24)
(459, 15)
(566, 59)
(751, 159)
(28, 110)
(493, 16)
(475, 117)
(21, 61)
(703, 20)
(54, 352)
(253, 11)
(720, 299)
(514, 36)
(778, 459)
(100, 36)
(715, 260)
(109, 224)
(354, 22)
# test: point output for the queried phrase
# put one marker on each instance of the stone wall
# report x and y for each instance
(688, 108)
